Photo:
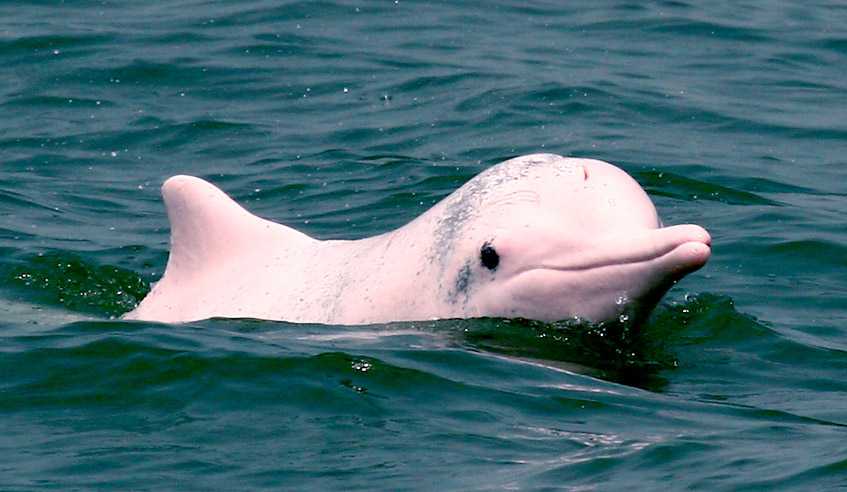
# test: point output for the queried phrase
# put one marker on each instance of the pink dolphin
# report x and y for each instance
(540, 236)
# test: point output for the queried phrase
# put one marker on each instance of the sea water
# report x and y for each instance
(346, 119)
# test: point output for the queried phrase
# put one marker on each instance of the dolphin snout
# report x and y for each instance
(687, 233)
(697, 234)
(690, 247)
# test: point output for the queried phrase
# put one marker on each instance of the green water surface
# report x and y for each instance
(347, 119)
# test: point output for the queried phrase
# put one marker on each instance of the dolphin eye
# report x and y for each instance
(489, 257)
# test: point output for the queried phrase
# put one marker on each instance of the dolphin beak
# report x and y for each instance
(688, 248)
(679, 250)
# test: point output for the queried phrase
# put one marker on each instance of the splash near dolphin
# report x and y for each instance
(541, 237)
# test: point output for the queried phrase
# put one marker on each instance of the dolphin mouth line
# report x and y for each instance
(623, 262)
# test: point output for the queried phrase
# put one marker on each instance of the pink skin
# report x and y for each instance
(622, 259)
(574, 238)
(600, 284)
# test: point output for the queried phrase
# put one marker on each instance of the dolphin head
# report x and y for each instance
(565, 238)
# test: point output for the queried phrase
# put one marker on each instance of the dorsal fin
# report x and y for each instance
(207, 226)
(211, 237)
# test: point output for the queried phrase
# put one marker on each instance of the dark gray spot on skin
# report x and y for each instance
(463, 282)
(463, 207)
(458, 211)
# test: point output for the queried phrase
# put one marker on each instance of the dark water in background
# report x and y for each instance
(346, 119)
